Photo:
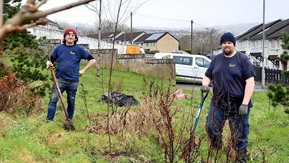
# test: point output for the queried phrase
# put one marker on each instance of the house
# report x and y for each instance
(140, 41)
(251, 42)
(163, 42)
(129, 38)
(108, 36)
(51, 30)
(54, 33)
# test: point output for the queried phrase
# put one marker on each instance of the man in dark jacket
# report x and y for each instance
(232, 76)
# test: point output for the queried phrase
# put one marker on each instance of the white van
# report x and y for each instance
(188, 66)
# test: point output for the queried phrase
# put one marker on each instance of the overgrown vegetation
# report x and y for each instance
(135, 137)
(22, 61)
(155, 131)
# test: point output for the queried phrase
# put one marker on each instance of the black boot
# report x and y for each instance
(241, 156)
(68, 125)
(72, 126)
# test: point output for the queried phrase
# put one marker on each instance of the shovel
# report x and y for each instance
(68, 125)
(191, 142)
(199, 112)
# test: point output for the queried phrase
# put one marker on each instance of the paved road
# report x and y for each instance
(188, 85)
(197, 86)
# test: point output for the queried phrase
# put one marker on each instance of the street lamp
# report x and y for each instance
(263, 48)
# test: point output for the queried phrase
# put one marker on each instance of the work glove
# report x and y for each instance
(81, 72)
(205, 88)
(243, 109)
(49, 64)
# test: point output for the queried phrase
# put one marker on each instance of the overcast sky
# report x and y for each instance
(179, 13)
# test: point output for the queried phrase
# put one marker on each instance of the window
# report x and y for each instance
(254, 44)
(201, 62)
(183, 60)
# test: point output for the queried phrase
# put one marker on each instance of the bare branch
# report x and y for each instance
(41, 21)
(29, 14)
(92, 8)
(40, 4)
(134, 11)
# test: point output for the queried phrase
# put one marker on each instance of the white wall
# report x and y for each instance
(271, 47)
(54, 33)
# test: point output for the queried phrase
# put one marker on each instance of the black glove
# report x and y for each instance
(205, 88)
(243, 109)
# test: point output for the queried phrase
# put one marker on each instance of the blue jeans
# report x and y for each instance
(71, 89)
(239, 126)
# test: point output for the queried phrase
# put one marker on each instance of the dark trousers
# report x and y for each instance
(239, 126)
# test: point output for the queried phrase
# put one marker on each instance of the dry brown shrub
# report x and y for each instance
(137, 120)
(158, 116)
(15, 97)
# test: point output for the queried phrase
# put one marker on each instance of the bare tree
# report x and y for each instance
(108, 26)
(204, 41)
(30, 16)
(118, 10)
(109, 12)
(98, 13)
(82, 28)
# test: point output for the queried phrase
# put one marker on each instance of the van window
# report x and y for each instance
(183, 60)
(201, 62)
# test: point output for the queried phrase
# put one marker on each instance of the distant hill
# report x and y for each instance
(178, 32)
(236, 29)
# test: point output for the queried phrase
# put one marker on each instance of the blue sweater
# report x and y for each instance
(68, 60)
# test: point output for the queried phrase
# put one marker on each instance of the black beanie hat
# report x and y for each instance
(228, 37)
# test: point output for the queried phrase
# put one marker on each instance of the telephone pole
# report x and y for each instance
(131, 28)
(192, 35)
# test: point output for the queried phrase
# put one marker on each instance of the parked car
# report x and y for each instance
(188, 67)
(179, 52)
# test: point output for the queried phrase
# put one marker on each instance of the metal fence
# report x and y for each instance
(271, 76)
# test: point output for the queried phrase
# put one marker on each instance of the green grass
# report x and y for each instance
(269, 130)
(31, 139)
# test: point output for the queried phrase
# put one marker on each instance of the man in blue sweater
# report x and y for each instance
(232, 76)
(67, 57)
